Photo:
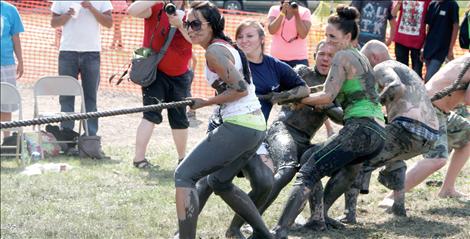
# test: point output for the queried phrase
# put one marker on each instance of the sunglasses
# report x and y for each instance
(195, 25)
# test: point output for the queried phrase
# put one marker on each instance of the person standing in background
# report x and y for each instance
(373, 20)
(173, 78)
(289, 24)
(442, 19)
(10, 28)
(410, 32)
(80, 48)
(119, 12)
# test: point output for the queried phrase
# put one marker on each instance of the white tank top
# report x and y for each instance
(244, 105)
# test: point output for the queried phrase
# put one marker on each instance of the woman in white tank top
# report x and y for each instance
(227, 148)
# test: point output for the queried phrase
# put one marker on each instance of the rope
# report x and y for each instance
(82, 116)
(457, 85)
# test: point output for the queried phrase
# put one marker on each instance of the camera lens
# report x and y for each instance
(294, 5)
(170, 8)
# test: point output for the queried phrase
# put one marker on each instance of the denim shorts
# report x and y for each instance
(167, 89)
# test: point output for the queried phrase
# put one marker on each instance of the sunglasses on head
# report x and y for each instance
(195, 25)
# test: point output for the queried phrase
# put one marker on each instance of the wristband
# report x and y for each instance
(282, 14)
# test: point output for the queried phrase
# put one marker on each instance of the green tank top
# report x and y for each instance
(355, 100)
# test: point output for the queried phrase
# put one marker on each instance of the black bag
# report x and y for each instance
(144, 61)
(464, 38)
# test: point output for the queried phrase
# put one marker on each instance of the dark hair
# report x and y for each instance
(346, 18)
(217, 22)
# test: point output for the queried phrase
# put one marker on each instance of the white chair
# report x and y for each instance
(59, 86)
(11, 96)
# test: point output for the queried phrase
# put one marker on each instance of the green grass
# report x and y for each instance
(111, 199)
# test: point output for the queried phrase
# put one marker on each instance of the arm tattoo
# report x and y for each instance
(220, 60)
(291, 95)
(457, 85)
(337, 74)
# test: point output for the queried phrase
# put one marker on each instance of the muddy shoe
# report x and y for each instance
(347, 219)
(398, 210)
(315, 225)
(333, 224)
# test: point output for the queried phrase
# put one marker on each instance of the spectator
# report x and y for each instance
(289, 26)
(119, 12)
(410, 32)
(173, 78)
(442, 19)
(464, 34)
(373, 20)
(10, 28)
(80, 50)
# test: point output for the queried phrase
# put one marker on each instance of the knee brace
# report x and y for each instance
(394, 180)
(218, 186)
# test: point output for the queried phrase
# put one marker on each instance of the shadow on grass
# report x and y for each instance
(157, 175)
(400, 226)
(356, 231)
(463, 212)
(419, 227)
(89, 162)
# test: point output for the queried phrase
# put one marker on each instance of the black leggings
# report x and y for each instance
(360, 139)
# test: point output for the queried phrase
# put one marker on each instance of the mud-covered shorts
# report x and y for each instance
(286, 145)
(400, 144)
(454, 133)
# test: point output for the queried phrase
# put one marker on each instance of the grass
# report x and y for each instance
(111, 199)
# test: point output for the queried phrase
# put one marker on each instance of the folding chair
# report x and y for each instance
(59, 86)
(11, 96)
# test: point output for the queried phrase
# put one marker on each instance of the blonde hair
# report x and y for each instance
(252, 23)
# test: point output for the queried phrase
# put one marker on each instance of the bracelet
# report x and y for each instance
(282, 14)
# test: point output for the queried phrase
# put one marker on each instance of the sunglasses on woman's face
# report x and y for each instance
(195, 25)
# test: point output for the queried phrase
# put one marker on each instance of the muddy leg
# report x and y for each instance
(295, 204)
(261, 181)
(316, 221)
(336, 186)
(187, 208)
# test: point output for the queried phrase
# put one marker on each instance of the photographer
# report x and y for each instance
(289, 23)
(173, 78)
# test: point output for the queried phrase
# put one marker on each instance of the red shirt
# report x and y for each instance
(411, 27)
(177, 57)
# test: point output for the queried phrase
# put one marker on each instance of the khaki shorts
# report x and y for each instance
(454, 133)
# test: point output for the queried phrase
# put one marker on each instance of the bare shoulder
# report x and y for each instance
(217, 54)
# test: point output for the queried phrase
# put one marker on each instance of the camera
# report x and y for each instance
(294, 4)
(170, 8)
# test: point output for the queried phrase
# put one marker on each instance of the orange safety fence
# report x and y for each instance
(40, 49)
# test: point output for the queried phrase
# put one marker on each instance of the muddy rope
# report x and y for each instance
(457, 85)
(98, 114)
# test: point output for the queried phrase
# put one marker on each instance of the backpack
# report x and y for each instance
(464, 37)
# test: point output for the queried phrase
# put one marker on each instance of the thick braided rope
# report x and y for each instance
(99, 114)
(457, 85)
